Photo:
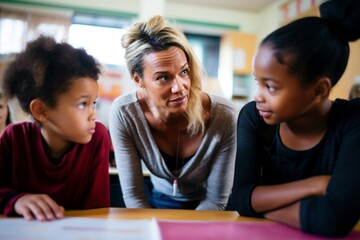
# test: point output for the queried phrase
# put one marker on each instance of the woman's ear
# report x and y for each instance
(138, 81)
(322, 88)
(38, 110)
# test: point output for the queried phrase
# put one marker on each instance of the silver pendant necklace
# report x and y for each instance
(177, 172)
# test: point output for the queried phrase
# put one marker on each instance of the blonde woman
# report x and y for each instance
(184, 136)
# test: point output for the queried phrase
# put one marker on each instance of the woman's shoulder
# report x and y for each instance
(125, 105)
(125, 99)
(221, 102)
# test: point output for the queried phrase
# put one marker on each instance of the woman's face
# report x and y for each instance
(3, 111)
(166, 80)
(280, 95)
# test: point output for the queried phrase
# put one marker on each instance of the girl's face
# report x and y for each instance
(280, 96)
(73, 117)
(3, 112)
(167, 80)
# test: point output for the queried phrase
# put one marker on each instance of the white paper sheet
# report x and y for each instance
(79, 228)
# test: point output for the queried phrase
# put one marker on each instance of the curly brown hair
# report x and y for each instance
(46, 69)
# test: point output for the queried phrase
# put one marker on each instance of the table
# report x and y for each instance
(210, 225)
(113, 171)
(112, 223)
(166, 214)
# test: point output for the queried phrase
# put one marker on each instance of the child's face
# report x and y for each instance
(280, 96)
(73, 117)
(3, 112)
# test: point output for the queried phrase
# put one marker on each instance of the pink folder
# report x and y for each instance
(214, 230)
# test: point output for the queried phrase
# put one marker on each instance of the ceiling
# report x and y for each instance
(240, 5)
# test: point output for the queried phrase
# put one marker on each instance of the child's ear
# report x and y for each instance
(322, 89)
(38, 110)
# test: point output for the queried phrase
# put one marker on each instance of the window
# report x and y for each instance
(10, 30)
(17, 28)
(206, 49)
(102, 42)
(100, 36)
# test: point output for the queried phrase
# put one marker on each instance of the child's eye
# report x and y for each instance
(82, 105)
(270, 88)
(94, 103)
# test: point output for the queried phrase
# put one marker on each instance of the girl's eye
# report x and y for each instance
(82, 105)
(94, 103)
(270, 88)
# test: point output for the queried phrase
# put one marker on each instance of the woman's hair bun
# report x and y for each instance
(343, 18)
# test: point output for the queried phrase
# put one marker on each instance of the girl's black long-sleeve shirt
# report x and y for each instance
(262, 159)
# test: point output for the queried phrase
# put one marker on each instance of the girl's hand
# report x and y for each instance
(38, 206)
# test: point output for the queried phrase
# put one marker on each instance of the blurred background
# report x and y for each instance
(223, 33)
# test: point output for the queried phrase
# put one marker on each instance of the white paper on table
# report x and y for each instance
(74, 228)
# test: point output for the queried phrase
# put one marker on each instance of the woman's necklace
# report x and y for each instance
(177, 172)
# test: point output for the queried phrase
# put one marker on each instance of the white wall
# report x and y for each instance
(248, 22)
(269, 19)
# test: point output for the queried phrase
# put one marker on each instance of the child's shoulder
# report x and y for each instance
(100, 128)
(342, 106)
(23, 127)
(101, 133)
(345, 113)
(249, 109)
(22, 133)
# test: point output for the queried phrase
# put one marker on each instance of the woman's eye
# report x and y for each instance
(184, 72)
(162, 78)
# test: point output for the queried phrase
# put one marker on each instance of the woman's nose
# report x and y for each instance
(177, 85)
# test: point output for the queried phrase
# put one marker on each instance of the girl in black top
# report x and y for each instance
(298, 152)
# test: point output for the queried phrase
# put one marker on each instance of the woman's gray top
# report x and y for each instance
(208, 176)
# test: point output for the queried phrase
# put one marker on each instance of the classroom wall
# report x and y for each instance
(245, 21)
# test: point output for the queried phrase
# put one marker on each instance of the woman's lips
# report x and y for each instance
(179, 100)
